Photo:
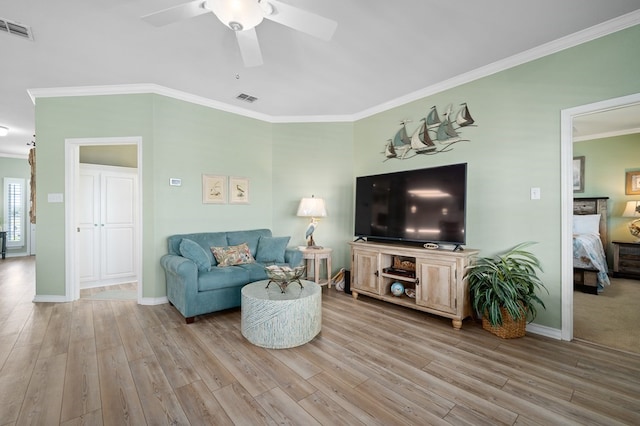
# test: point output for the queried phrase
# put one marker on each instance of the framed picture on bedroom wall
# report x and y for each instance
(578, 174)
(633, 183)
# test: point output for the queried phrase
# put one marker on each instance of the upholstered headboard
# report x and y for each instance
(595, 205)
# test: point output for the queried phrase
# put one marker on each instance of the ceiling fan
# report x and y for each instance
(242, 16)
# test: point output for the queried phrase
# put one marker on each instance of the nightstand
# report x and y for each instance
(626, 260)
(315, 257)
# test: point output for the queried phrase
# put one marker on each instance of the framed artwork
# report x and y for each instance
(214, 189)
(238, 190)
(578, 174)
(633, 183)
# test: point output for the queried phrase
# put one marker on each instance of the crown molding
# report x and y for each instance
(17, 156)
(575, 39)
(146, 88)
(572, 40)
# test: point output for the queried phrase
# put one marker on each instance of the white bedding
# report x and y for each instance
(589, 253)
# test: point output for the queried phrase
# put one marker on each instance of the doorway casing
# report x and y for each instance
(566, 169)
(72, 169)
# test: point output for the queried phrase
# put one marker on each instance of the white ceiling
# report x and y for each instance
(382, 51)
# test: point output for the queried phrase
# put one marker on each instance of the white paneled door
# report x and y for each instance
(106, 225)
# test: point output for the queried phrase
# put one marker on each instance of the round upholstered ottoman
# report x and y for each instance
(277, 320)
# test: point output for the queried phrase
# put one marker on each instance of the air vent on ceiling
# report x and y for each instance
(246, 98)
(16, 29)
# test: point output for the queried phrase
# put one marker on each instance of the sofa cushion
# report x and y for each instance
(222, 277)
(250, 237)
(204, 239)
(232, 255)
(256, 271)
(271, 249)
(193, 251)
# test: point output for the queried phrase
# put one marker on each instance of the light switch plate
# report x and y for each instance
(535, 193)
(175, 182)
(55, 198)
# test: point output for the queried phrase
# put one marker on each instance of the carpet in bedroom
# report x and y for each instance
(611, 318)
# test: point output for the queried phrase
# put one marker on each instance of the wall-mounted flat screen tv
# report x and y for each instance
(414, 206)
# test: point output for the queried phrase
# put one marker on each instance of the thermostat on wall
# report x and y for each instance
(175, 182)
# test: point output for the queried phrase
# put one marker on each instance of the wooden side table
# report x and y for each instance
(626, 260)
(315, 257)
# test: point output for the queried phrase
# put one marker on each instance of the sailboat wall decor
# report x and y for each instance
(433, 136)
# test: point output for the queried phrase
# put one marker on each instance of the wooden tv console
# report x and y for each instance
(438, 277)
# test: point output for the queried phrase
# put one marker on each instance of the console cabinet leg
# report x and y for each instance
(457, 324)
(354, 294)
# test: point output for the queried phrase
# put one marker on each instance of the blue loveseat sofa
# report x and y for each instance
(197, 284)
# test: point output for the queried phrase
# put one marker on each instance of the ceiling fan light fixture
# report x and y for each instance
(239, 15)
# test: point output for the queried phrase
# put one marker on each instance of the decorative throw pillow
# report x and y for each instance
(271, 249)
(233, 255)
(193, 251)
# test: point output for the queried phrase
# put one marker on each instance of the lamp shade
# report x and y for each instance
(632, 209)
(312, 207)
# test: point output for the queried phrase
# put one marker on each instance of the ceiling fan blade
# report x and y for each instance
(176, 13)
(301, 20)
(249, 47)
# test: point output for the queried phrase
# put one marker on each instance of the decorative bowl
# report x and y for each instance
(397, 289)
(284, 275)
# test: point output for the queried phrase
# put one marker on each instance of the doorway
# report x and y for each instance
(72, 182)
(566, 157)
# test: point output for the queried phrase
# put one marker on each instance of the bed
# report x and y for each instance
(590, 237)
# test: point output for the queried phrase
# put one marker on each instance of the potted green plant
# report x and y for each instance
(503, 290)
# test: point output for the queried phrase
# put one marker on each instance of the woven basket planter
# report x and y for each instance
(509, 329)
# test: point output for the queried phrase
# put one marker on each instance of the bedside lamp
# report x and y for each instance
(313, 208)
(633, 210)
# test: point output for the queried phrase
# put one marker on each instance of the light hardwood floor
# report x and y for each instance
(116, 363)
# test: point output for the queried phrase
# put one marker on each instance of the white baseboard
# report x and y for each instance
(44, 298)
(543, 330)
(47, 298)
(154, 300)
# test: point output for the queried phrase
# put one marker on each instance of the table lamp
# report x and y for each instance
(313, 208)
(633, 210)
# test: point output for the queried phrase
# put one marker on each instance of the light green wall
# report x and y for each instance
(315, 159)
(191, 140)
(606, 163)
(15, 168)
(58, 119)
(516, 145)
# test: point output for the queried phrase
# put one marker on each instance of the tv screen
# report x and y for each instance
(416, 206)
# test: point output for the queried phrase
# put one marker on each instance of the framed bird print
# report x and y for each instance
(238, 190)
(214, 189)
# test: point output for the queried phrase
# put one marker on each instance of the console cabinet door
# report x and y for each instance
(437, 284)
(365, 271)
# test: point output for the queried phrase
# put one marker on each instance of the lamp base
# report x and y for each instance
(312, 244)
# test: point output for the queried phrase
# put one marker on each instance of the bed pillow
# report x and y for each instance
(271, 249)
(233, 255)
(586, 224)
(193, 251)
